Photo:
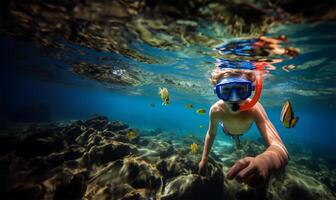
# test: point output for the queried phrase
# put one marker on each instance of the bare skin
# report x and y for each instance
(253, 171)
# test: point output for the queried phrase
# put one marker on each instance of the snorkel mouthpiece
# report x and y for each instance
(235, 107)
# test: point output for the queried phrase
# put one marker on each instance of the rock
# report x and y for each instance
(58, 158)
(183, 187)
(37, 166)
(107, 152)
(73, 131)
(107, 134)
(29, 191)
(140, 174)
(143, 142)
(167, 152)
(110, 183)
(95, 139)
(249, 194)
(213, 184)
(162, 167)
(77, 123)
(115, 126)
(84, 137)
(117, 191)
(97, 123)
(192, 186)
(175, 165)
(73, 190)
(120, 138)
(295, 191)
(165, 149)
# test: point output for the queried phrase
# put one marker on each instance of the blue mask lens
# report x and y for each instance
(227, 86)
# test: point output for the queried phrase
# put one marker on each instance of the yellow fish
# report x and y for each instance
(287, 116)
(201, 126)
(190, 106)
(194, 148)
(163, 92)
(131, 135)
(201, 111)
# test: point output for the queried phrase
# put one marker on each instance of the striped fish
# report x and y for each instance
(287, 116)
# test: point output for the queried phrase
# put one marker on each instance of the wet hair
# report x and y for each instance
(217, 74)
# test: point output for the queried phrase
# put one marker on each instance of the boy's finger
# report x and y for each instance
(244, 174)
(235, 169)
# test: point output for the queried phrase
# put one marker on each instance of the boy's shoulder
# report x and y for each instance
(217, 107)
(257, 107)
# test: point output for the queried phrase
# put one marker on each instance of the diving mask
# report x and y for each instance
(233, 89)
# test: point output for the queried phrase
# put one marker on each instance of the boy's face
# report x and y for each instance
(234, 90)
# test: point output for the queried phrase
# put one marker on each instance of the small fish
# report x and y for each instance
(131, 135)
(201, 126)
(194, 148)
(287, 116)
(152, 105)
(189, 105)
(164, 94)
(201, 111)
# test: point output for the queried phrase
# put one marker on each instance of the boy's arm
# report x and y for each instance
(255, 171)
(211, 133)
(276, 155)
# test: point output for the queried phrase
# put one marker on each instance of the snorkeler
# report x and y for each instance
(237, 112)
(262, 46)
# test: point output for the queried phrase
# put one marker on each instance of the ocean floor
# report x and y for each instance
(102, 159)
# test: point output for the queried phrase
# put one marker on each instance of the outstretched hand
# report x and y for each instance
(253, 171)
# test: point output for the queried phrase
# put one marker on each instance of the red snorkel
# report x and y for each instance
(250, 103)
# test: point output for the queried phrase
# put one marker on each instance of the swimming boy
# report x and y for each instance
(237, 112)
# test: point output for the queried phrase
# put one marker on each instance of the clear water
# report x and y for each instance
(32, 76)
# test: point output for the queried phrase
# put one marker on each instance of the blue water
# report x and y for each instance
(32, 75)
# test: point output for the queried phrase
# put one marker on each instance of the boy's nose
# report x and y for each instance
(234, 96)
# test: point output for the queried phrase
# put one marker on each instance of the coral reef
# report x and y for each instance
(94, 159)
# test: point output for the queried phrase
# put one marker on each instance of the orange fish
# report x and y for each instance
(287, 116)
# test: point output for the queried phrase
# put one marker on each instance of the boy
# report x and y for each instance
(237, 112)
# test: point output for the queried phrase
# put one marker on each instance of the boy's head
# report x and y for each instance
(233, 85)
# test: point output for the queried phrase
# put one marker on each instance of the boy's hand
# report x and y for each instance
(202, 167)
(253, 171)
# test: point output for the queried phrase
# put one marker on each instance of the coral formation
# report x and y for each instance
(94, 159)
